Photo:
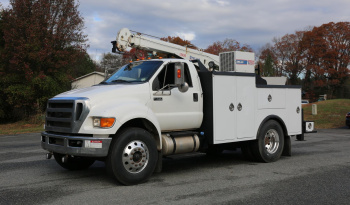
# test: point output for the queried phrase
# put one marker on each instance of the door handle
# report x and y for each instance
(195, 97)
(231, 107)
(239, 107)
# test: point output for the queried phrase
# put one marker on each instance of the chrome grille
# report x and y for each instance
(65, 114)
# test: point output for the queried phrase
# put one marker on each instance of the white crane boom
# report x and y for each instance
(127, 39)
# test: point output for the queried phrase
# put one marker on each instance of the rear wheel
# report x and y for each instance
(73, 163)
(133, 156)
(269, 145)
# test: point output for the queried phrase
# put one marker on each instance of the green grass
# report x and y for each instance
(34, 124)
(330, 113)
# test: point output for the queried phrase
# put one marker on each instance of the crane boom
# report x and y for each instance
(127, 39)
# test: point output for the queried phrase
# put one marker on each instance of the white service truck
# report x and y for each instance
(154, 108)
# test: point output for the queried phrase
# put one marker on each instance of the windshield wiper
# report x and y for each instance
(119, 80)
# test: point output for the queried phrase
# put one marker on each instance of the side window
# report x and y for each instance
(167, 77)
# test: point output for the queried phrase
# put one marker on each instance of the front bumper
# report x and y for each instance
(75, 145)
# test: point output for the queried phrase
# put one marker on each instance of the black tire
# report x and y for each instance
(73, 163)
(133, 156)
(270, 142)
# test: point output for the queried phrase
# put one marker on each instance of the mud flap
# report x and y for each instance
(159, 165)
(287, 149)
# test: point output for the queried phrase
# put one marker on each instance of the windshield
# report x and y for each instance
(140, 71)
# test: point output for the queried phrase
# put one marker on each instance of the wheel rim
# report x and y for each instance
(135, 156)
(272, 141)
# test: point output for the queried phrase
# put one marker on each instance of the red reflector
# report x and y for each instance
(178, 73)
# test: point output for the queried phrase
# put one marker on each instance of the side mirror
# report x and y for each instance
(183, 87)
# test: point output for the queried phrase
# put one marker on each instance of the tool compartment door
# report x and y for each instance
(245, 90)
(224, 97)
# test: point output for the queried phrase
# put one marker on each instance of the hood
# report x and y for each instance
(109, 92)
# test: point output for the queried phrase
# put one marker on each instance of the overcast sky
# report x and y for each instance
(252, 22)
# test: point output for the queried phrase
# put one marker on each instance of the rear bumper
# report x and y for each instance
(75, 145)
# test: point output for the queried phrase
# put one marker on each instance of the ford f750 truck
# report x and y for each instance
(159, 107)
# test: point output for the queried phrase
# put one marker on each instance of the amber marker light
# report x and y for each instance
(178, 73)
(103, 122)
(107, 122)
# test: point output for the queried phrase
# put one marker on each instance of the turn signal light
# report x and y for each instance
(107, 122)
(103, 122)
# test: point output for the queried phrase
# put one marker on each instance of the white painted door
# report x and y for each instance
(176, 110)
(224, 108)
(245, 87)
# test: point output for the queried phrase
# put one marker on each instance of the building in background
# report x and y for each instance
(88, 80)
(276, 80)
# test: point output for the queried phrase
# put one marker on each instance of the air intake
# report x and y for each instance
(227, 61)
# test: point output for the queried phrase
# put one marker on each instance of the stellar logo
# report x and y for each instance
(245, 62)
(241, 62)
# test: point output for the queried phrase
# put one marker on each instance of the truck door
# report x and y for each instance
(176, 110)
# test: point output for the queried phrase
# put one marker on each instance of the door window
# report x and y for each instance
(167, 76)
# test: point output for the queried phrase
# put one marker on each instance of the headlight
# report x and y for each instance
(103, 122)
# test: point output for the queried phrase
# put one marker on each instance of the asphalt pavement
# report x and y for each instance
(318, 172)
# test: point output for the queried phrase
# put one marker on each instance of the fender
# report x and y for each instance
(273, 117)
(145, 114)
(123, 112)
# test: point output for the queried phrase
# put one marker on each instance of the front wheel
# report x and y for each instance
(133, 156)
(269, 145)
